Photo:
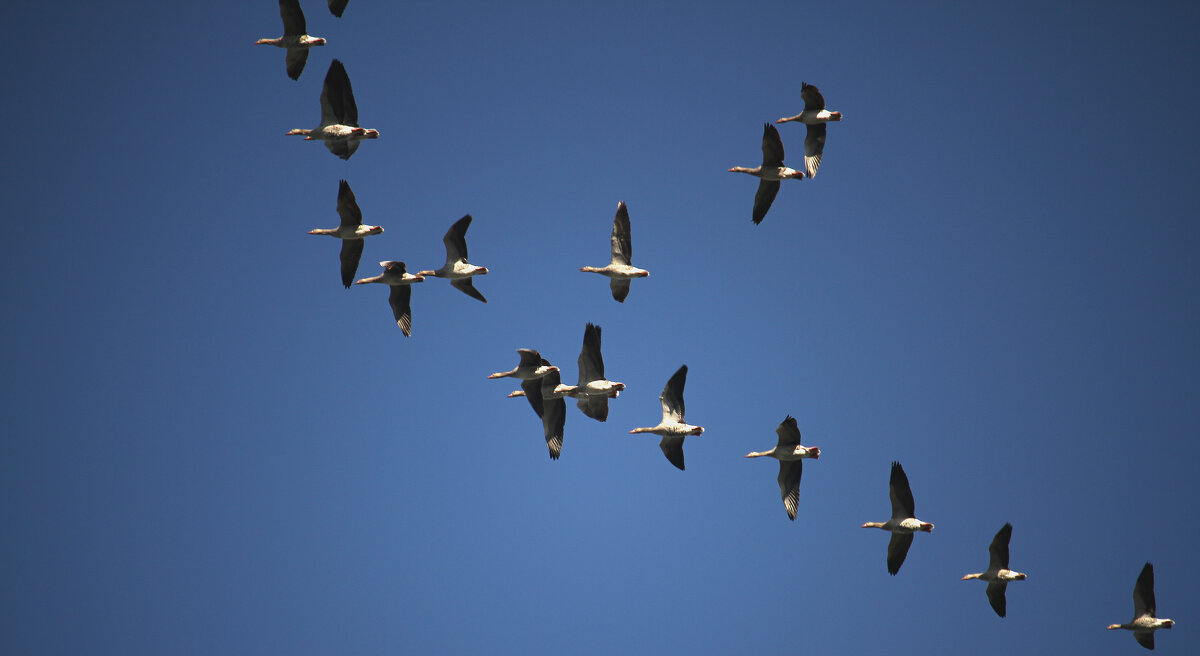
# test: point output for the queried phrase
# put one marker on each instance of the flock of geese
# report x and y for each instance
(541, 383)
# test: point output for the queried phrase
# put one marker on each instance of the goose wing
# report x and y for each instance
(767, 190)
(999, 551)
(901, 494)
(456, 240)
(293, 18)
(347, 206)
(995, 595)
(672, 397)
(789, 485)
(337, 97)
(620, 288)
(813, 100)
(343, 148)
(672, 448)
(352, 250)
(554, 414)
(399, 300)
(467, 287)
(1143, 593)
(772, 147)
(814, 145)
(595, 407)
(591, 362)
(533, 392)
(898, 551)
(294, 60)
(529, 358)
(788, 432)
(1144, 638)
(622, 243)
(336, 7)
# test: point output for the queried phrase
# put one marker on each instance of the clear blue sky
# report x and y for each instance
(211, 447)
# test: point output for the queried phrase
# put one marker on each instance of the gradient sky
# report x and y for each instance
(211, 447)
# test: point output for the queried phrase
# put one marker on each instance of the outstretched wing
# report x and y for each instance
(767, 190)
(898, 551)
(814, 145)
(813, 100)
(788, 432)
(619, 287)
(336, 7)
(995, 595)
(347, 206)
(595, 407)
(789, 485)
(293, 18)
(467, 287)
(1143, 593)
(901, 494)
(352, 250)
(622, 242)
(399, 300)
(343, 148)
(337, 97)
(672, 396)
(554, 415)
(772, 147)
(456, 240)
(999, 549)
(295, 59)
(591, 362)
(533, 392)
(672, 448)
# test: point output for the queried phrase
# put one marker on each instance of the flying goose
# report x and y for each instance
(351, 231)
(295, 38)
(998, 574)
(456, 268)
(620, 268)
(791, 456)
(594, 390)
(339, 116)
(770, 172)
(672, 429)
(395, 276)
(815, 116)
(903, 524)
(532, 366)
(1144, 623)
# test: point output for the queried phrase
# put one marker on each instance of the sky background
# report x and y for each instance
(210, 447)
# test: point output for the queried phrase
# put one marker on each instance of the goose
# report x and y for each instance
(295, 38)
(1144, 623)
(998, 574)
(456, 267)
(620, 269)
(791, 456)
(672, 429)
(815, 116)
(548, 405)
(531, 367)
(770, 172)
(594, 390)
(394, 275)
(351, 231)
(903, 524)
(336, 7)
(339, 116)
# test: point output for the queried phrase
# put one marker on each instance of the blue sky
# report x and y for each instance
(210, 446)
